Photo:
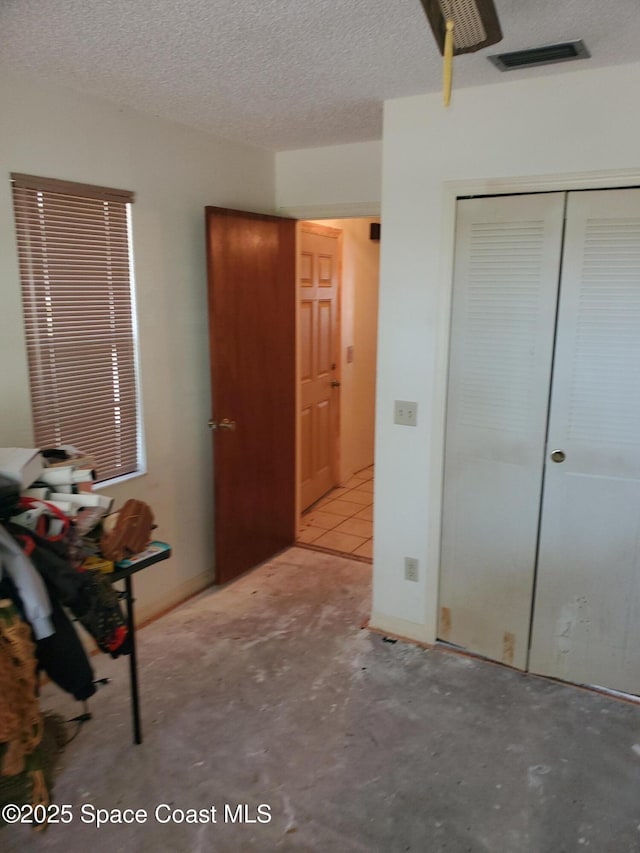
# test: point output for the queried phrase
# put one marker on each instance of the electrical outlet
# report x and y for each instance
(405, 413)
(410, 569)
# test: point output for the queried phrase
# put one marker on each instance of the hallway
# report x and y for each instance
(342, 521)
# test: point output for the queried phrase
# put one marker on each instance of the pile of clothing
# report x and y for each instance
(29, 741)
(44, 585)
(42, 576)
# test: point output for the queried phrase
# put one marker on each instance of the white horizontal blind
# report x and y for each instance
(73, 247)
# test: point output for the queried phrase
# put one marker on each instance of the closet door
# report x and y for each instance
(587, 609)
(504, 305)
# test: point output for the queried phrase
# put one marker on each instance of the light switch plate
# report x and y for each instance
(411, 569)
(405, 413)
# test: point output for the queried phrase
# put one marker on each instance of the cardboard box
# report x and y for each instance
(22, 464)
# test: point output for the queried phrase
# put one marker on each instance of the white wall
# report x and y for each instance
(577, 121)
(175, 172)
(339, 180)
(358, 329)
(580, 121)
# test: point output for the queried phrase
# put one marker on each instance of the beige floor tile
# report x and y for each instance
(358, 497)
(343, 519)
(344, 542)
(365, 474)
(365, 550)
(354, 482)
(362, 475)
(318, 518)
(338, 492)
(357, 527)
(310, 534)
(366, 513)
(341, 507)
(324, 501)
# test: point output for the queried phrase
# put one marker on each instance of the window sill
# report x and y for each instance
(115, 481)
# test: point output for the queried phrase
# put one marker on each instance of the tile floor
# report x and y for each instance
(343, 520)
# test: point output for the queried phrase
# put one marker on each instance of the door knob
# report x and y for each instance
(335, 383)
(558, 455)
(225, 424)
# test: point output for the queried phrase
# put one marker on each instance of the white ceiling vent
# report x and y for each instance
(564, 52)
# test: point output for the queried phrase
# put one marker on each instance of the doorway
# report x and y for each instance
(251, 273)
(342, 521)
(540, 553)
(251, 261)
(337, 516)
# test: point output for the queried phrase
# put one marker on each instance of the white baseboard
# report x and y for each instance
(401, 628)
(175, 596)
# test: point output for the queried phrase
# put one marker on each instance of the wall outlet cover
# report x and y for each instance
(405, 413)
(411, 569)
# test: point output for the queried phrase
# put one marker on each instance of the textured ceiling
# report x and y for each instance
(283, 74)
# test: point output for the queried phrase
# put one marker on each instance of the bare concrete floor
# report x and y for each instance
(269, 692)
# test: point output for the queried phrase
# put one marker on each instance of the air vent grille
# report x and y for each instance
(564, 52)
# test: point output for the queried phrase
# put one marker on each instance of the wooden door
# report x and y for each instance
(587, 609)
(251, 274)
(504, 304)
(319, 349)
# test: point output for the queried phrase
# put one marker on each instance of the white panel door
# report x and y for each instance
(504, 305)
(587, 610)
(318, 353)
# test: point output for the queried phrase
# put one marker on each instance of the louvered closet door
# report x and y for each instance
(504, 305)
(587, 609)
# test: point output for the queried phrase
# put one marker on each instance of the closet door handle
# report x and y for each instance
(558, 455)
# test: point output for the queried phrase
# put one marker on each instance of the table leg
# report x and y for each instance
(133, 663)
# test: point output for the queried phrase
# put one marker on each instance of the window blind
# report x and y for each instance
(74, 256)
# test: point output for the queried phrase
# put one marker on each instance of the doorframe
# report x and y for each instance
(304, 213)
(350, 210)
(323, 231)
(451, 192)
